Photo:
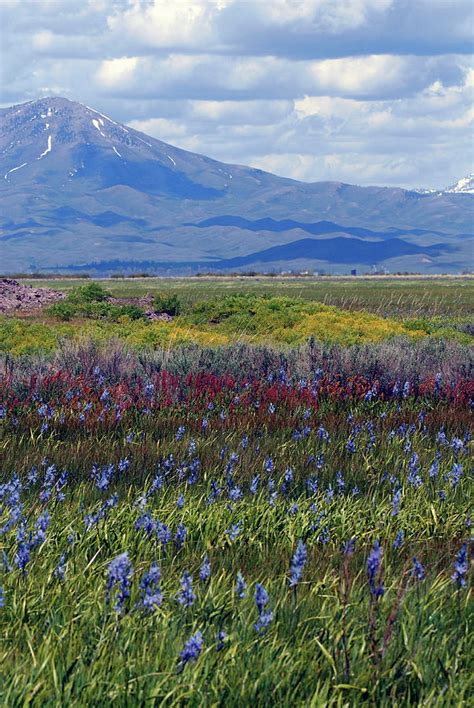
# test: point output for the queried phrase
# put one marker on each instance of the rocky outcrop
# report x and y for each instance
(17, 297)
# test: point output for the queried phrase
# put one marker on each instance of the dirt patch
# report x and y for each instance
(15, 297)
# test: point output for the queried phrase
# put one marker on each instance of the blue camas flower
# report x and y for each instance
(60, 569)
(150, 596)
(460, 567)
(186, 595)
(417, 570)
(240, 586)
(399, 539)
(120, 574)
(205, 570)
(261, 600)
(192, 649)
(298, 563)
(373, 571)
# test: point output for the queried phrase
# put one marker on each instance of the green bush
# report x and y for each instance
(92, 292)
(170, 304)
(63, 310)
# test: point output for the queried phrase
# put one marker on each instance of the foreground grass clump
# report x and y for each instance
(191, 535)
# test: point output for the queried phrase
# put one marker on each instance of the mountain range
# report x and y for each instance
(80, 191)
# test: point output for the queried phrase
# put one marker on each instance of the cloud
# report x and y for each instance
(114, 73)
(369, 91)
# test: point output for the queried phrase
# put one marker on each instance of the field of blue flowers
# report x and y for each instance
(187, 531)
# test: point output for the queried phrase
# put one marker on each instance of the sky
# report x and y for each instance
(359, 91)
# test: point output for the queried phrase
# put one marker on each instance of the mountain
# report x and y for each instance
(463, 186)
(81, 191)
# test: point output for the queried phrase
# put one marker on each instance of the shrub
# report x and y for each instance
(92, 292)
(63, 310)
(170, 304)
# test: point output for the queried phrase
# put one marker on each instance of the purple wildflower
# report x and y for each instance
(192, 649)
(298, 563)
(120, 574)
(186, 595)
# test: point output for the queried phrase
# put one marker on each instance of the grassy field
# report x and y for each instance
(195, 540)
(387, 296)
(281, 312)
(264, 501)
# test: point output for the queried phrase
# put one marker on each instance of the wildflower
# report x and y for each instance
(215, 491)
(417, 570)
(324, 537)
(186, 595)
(434, 469)
(240, 586)
(341, 485)
(180, 432)
(163, 533)
(180, 535)
(254, 484)
(349, 547)
(120, 573)
(151, 596)
(457, 446)
(351, 446)
(221, 637)
(205, 570)
(145, 522)
(399, 539)
(413, 477)
(460, 567)
(60, 569)
(441, 438)
(41, 526)
(261, 599)
(373, 571)
(287, 480)
(2, 598)
(234, 530)
(6, 567)
(235, 494)
(123, 465)
(297, 564)
(269, 467)
(397, 495)
(192, 649)
(293, 509)
(455, 475)
(180, 501)
(204, 424)
(149, 389)
(312, 485)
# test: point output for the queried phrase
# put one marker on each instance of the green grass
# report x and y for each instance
(245, 317)
(388, 296)
(61, 644)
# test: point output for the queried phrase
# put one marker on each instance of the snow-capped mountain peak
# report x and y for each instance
(463, 186)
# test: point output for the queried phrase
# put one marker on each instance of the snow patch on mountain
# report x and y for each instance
(464, 186)
(48, 149)
(15, 169)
